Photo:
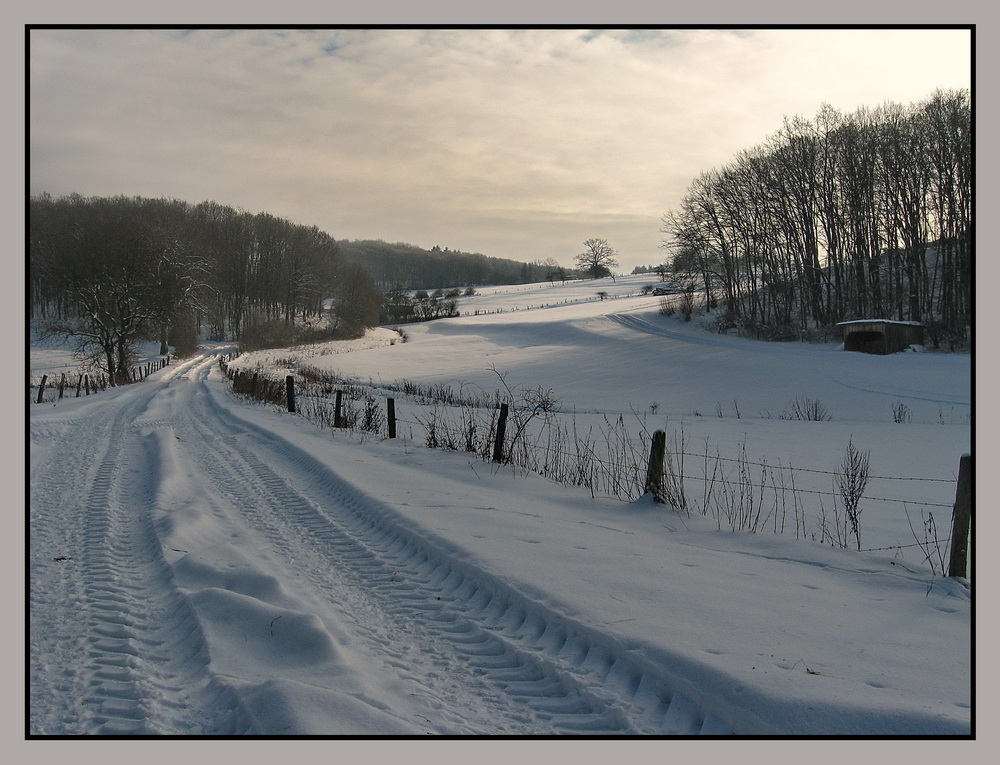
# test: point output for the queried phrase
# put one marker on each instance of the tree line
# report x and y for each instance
(845, 216)
(110, 271)
(406, 266)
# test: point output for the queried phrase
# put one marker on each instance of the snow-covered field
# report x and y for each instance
(201, 565)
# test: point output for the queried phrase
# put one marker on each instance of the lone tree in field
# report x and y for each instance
(598, 259)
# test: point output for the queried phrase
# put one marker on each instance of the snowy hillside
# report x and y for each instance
(207, 565)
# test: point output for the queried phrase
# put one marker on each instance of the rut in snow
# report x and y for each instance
(144, 668)
(487, 659)
(467, 654)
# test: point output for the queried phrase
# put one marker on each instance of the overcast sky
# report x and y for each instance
(512, 143)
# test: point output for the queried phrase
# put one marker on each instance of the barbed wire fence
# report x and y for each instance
(612, 458)
(45, 388)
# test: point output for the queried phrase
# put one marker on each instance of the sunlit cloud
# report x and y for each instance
(514, 143)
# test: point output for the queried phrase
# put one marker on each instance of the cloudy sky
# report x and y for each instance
(513, 143)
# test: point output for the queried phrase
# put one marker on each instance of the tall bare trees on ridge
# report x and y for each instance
(867, 215)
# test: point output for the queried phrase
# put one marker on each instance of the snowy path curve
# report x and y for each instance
(117, 606)
(221, 580)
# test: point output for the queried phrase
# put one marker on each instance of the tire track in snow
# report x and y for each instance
(141, 674)
(484, 659)
(446, 690)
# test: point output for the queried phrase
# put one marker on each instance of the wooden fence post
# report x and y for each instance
(79, 384)
(290, 392)
(86, 383)
(501, 432)
(654, 471)
(961, 520)
(391, 416)
(62, 385)
(338, 420)
(41, 388)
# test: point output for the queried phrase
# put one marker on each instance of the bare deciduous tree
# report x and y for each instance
(598, 259)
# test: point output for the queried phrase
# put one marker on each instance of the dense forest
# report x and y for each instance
(108, 272)
(410, 267)
(864, 215)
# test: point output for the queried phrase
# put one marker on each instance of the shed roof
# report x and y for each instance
(880, 321)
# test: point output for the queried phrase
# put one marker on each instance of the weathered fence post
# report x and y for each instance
(41, 388)
(961, 520)
(62, 385)
(391, 416)
(338, 420)
(86, 383)
(501, 432)
(290, 392)
(79, 384)
(654, 471)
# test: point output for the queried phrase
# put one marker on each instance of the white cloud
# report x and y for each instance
(516, 143)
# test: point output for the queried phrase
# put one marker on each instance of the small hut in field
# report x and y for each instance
(881, 336)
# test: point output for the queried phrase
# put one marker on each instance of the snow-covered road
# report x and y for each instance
(194, 574)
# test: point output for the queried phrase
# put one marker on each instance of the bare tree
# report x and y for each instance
(115, 288)
(598, 259)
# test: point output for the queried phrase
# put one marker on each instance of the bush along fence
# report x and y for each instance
(522, 428)
(49, 389)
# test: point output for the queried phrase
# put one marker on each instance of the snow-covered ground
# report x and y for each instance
(201, 565)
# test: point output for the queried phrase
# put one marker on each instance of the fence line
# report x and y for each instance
(90, 383)
(813, 470)
(261, 380)
(779, 467)
(624, 473)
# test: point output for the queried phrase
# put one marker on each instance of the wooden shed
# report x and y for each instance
(881, 336)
